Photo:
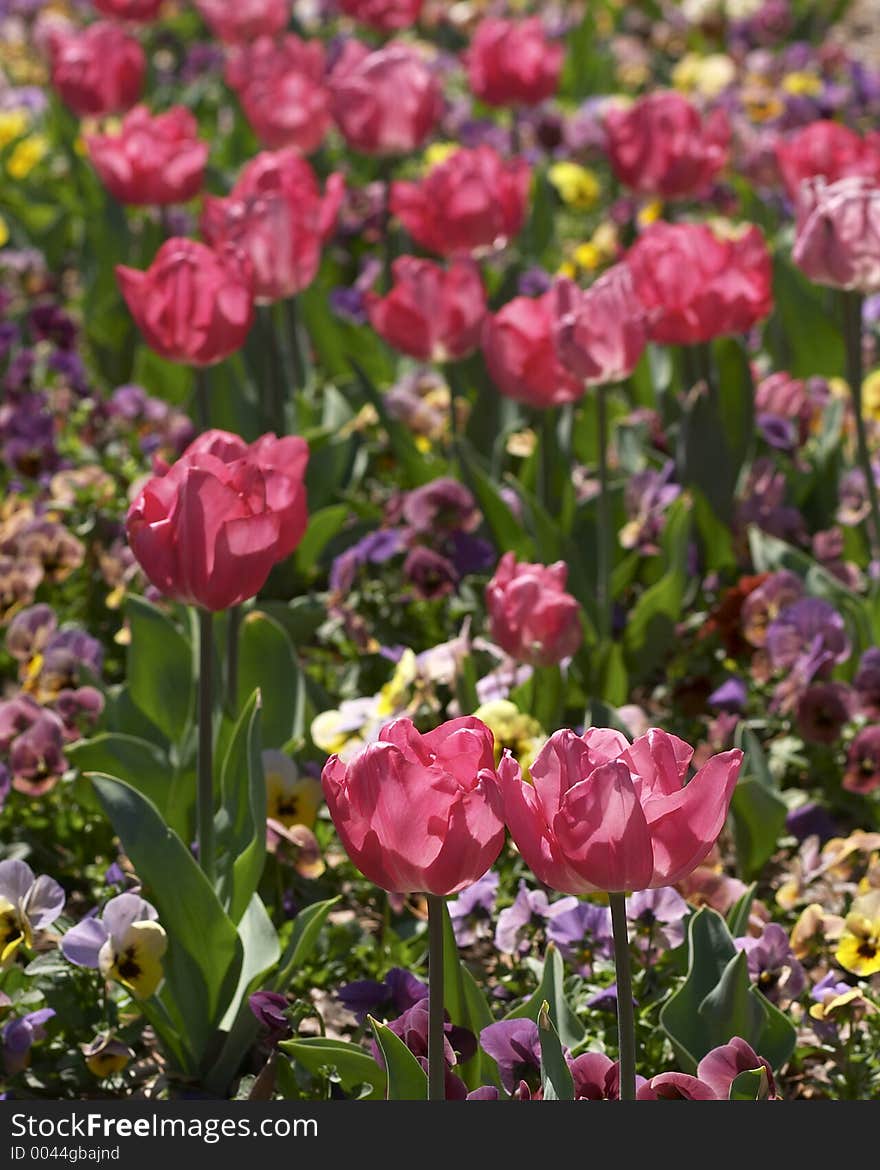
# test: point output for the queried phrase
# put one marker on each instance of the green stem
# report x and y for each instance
(389, 244)
(276, 383)
(436, 1060)
(297, 355)
(205, 791)
(603, 549)
(625, 1017)
(548, 457)
(852, 331)
(203, 399)
(233, 626)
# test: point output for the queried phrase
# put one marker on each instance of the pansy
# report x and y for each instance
(27, 904)
(125, 944)
(859, 948)
(292, 798)
(106, 1055)
(18, 1037)
(471, 912)
(582, 931)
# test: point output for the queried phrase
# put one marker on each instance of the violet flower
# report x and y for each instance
(515, 1047)
(399, 991)
(772, 965)
(18, 1036)
(582, 931)
(471, 912)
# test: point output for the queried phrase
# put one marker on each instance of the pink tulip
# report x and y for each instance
(520, 353)
(209, 531)
(276, 215)
(241, 21)
(661, 146)
(139, 11)
(837, 238)
(828, 150)
(431, 313)
(193, 305)
(531, 616)
(513, 62)
(675, 1086)
(475, 201)
(601, 331)
(152, 161)
(603, 814)
(384, 15)
(419, 812)
(97, 70)
(720, 1067)
(282, 87)
(695, 285)
(387, 101)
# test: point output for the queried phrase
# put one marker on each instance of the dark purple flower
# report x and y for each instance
(582, 932)
(811, 820)
(484, 1093)
(270, 1008)
(18, 1036)
(534, 282)
(597, 1077)
(376, 547)
(772, 965)
(471, 554)
(809, 631)
(471, 912)
(867, 682)
(5, 784)
(731, 696)
(444, 505)
(862, 774)
(459, 1044)
(605, 1000)
(648, 496)
(36, 757)
(349, 304)
(778, 432)
(399, 991)
(29, 631)
(515, 1047)
(822, 711)
(430, 574)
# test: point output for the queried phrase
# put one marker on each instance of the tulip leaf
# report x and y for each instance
(266, 661)
(739, 912)
(241, 819)
(507, 532)
(650, 631)
(141, 764)
(752, 1085)
(556, 1079)
(407, 1080)
(204, 956)
(160, 669)
(730, 1009)
(551, 989)
(467, 1007)
(306, 929)
(802, 335)
(758, 819)
(324, 524)
(418, 468)
(348, 1063)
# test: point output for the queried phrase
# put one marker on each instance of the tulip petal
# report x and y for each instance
(658, 763)
(685, 825)
(602, 831)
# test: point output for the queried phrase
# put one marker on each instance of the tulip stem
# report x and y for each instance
(603, 543)
(203, 398)
(436, 1010)
(205, 793)
(233, 618)
(852, 333)
(626, 1031)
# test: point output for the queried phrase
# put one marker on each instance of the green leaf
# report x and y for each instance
(507, 532)
(738, 914)
(204, 956)
(650, 631)
(241, 819)
(323, 526)
(306, 930)
(161, 675)
(417, 467)
(348, 1062)
(266, 661)
(758, 819)
(407, 1080)
(730, 1009)
(141, 764)
(556, 1078)
(551, 989)
(803, 334)
(467, 1007)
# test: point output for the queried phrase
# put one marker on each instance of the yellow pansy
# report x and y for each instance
(802, 83)
(859, 948)
(14, 931)
(871, 396)
(577, 186)
(708, 76)
(439, 152)
(291, 798)
(13, 124)
(513, 730)
(136, 962)
(394, 695)
(26, 155)
(650, 213)
(587, 257)
(105, 1056)
(4, 232)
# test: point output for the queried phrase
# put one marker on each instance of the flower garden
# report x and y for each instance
(439, 550)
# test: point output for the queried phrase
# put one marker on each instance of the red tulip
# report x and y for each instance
(661, 146)
(531, 616)
(209, 531)
(604, 814)
(152, 160)
(276, 215)
(134, 10)
(387, 101)
(520, 353)
(384, 15)
(474, 201)
(98, 69)
(694, 285)
(419, 812)
(601, 331)
(282, 89)
(244, 20)
(837, 239)
(828, 150)
(193, 305)
(513, 63)
(431, 313)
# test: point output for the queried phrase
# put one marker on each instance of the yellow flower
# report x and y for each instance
(814, 930)
(859, 948)
(13, 124)
(577, 186)
(650, 213)
(513, 730)
(137, 963)
(439, 152)
(800, 82)
(26, 155)
(15, 931)
(709, 75)
(4, 232)
(835, 1003)
(291, 799)
(871, 396)
(394, 695)
(587, 256)
(106, 1055)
